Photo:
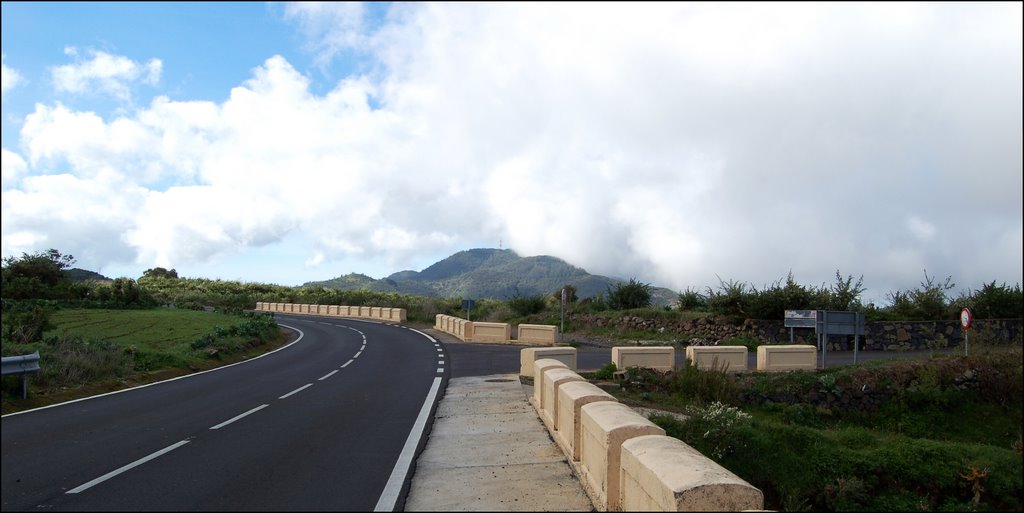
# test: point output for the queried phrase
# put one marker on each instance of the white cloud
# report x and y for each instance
(110, 74)
(667, 142)
(9, 77)
(920, 229)
(13, 167)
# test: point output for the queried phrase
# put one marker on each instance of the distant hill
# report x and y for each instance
(488, 273)
(77, 274)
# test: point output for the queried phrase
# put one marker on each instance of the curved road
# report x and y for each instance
(330, 422)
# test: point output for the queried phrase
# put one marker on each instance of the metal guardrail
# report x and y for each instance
(23, 365)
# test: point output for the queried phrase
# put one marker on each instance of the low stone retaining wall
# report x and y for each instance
(359, 312)
(566, 355)
(731, 358)
(625, 462)
(662, 358)
(878, 336)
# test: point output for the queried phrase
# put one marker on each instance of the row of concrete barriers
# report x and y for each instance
(770, 358)
(359, 312)
(625, 461)
(496, 332)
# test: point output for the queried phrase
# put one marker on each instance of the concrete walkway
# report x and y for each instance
(489, 451)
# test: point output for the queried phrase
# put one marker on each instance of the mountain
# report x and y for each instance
(489, 273)
(77, 274)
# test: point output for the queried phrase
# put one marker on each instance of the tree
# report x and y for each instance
(629, 295)
(38, 276)
(160, 272)
(570, 294)
(845, 294)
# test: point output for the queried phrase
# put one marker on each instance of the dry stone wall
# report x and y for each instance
(879, 336)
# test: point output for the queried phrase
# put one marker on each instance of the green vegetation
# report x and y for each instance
(941, 434)
(85, 351)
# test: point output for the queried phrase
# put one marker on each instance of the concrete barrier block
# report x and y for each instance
(527, 356)
(323, 309)
(543, 334)
(662, 358)
(604, 426)
(375, 312)
(437, 321)
(571, 398)
(491, 332)
(539, 367)
(554, 378)
(732, 358)
(660, 473)
(399, 314)
(787, 357)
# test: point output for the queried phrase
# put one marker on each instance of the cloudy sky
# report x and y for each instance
(674, 143)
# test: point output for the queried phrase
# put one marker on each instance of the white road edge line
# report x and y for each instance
(389, 496)
(357, 354)
(126, 468)
(296, 341)
(229, 421)
(329, 374)
(297, 390)
(346, 364)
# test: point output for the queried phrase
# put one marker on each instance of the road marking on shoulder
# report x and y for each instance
(440, 369)
(357, 355)
(126, 468)
(229, 421)
(389, 496)
(346, 363)
(329, 374)
(297, 390)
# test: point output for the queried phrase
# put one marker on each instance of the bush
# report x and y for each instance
(629, 295)
(25, 322)
(527, 305)
(606, 372)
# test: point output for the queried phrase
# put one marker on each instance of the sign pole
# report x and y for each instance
(561, 329)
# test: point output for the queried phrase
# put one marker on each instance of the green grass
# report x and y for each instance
(158, 329)
(89, 351)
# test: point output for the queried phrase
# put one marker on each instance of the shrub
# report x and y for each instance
(606, 372)
(629, 295)
(527, 305)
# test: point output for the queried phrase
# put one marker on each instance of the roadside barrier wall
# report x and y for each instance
(625, 462)
(553, 379)
(543, 334)
(539, 367)
(662, 358)
(732, 358)
(788, 357)
(604, 426)
(661, 473)
(566, 355)
(496, 332)
(365, 312)
(492, 332)
(571, 397)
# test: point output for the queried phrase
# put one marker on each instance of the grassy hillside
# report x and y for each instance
(91, 351)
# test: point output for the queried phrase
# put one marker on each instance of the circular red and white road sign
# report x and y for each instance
(966, 318)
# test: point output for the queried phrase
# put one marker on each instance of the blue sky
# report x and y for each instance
(675, 143)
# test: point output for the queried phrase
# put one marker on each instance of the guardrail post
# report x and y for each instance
(23, 365)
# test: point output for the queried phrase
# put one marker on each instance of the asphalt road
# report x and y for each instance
(317, 425)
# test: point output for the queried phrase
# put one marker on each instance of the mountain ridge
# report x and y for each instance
(488, 273)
